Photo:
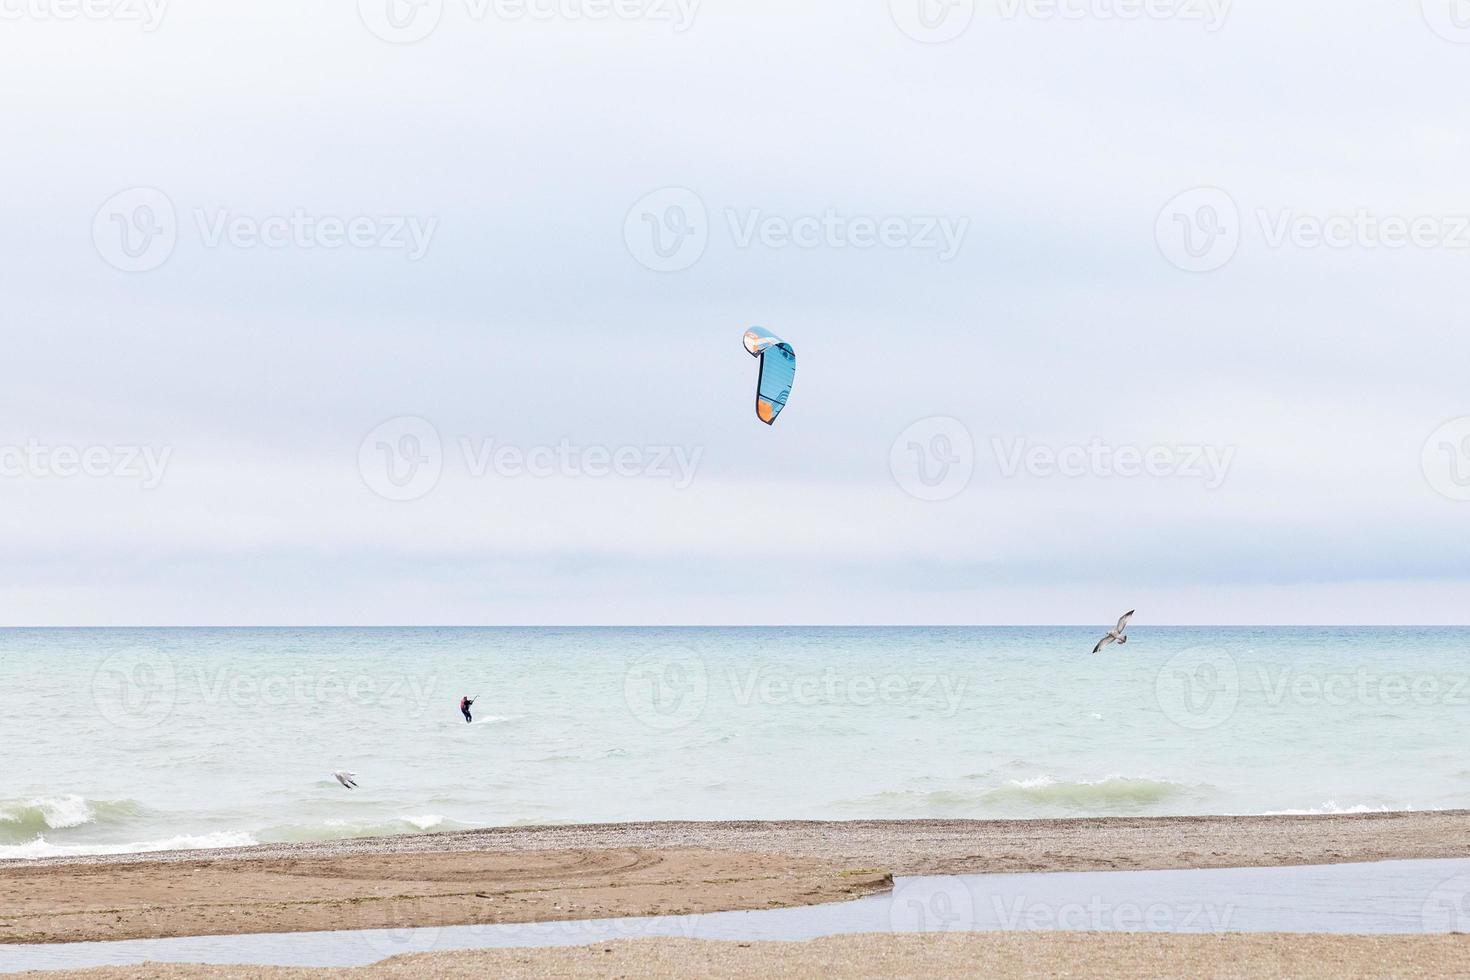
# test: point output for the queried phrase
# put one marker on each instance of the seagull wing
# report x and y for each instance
(1103, 642)
(1123, 622)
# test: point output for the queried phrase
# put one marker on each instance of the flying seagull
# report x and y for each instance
(348, 779)
(1116, 635)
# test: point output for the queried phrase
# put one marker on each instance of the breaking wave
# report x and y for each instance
(24, 820)
(1111, 794)
(1041, 796)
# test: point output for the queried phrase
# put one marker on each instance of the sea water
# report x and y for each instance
(151, 739)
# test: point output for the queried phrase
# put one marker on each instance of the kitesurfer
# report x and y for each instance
(465, 703)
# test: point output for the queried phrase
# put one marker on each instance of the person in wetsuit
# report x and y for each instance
(465, 703)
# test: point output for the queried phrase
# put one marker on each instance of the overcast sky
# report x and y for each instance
(347, 313)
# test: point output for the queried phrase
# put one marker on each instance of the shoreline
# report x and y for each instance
(924, 846)
(538, 874)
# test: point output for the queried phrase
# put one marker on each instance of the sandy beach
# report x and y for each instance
(151, 899)
(514, 875)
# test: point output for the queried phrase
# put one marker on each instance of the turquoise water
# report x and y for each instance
(124, 740)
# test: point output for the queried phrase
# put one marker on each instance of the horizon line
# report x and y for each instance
(715, 626)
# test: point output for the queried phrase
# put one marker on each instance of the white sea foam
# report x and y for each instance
(1036, 782)
(1332, 807)
(426, 822)
(42, 848)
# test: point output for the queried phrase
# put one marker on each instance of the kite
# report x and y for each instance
(778, 371)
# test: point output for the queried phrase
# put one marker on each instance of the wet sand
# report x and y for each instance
(557, 873)
(991, 955)
(154, 899)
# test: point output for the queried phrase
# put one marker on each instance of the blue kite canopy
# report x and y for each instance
(778, 371)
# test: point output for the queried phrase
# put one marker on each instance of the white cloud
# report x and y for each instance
(529, 321)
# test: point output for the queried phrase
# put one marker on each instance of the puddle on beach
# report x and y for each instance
(1388, 897)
